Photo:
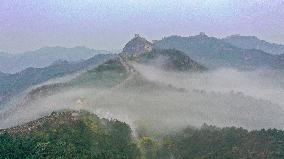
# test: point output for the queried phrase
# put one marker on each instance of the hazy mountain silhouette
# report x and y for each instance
(214, 52)
(252, 42)
(120, 69)
(44, 57)
(11, 84)
(153, 91)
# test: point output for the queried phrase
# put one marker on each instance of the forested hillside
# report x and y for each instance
(69, 134)
(79, 134)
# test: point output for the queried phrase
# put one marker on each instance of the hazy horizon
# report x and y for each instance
(116, 50)
(107, 25)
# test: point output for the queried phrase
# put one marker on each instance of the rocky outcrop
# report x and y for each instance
(140, 50)
(137, 46)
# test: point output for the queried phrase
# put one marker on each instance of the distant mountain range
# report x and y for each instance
(194, 53)
(140, 50)
(208, 51)
(252, 42)
(43, 57)
(244, 52)
(213, 52)
(119, 70)
(11, 84)
(114, 84)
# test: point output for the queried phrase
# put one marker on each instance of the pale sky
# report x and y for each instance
(109, 24)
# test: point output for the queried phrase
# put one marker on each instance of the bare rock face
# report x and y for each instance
(137, 46)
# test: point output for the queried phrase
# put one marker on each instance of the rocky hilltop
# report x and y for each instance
(141, 50)
(137, 46)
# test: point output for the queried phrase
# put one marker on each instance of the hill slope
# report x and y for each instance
(252, 42)
(80, 134)
(118, 84)
(44, 57)
(116, 70)
(140, 50)
(69, 134)
(214, 52)
(12, 84)
(216, 143)
(169, 59)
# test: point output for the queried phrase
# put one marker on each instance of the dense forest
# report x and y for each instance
(71, 134)
(223, 143)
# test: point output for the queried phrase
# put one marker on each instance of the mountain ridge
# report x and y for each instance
(253, 42)
(45, 56)
(116, 70)
(141, 50)
(214, 53)
(12, 84)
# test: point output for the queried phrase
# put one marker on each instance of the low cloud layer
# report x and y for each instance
(168, 100)
(260, 84)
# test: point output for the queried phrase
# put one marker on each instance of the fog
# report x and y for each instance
(171, 100)
(260, 84)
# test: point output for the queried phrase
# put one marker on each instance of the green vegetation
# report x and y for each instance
(69, 135)
(148, 148)
(174, 60)
(12, 84)
(108, 74)
(226, 143)
(72, 134)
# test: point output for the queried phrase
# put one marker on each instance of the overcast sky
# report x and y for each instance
(109, 24)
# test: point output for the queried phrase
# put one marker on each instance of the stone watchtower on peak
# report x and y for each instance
(137, 45)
